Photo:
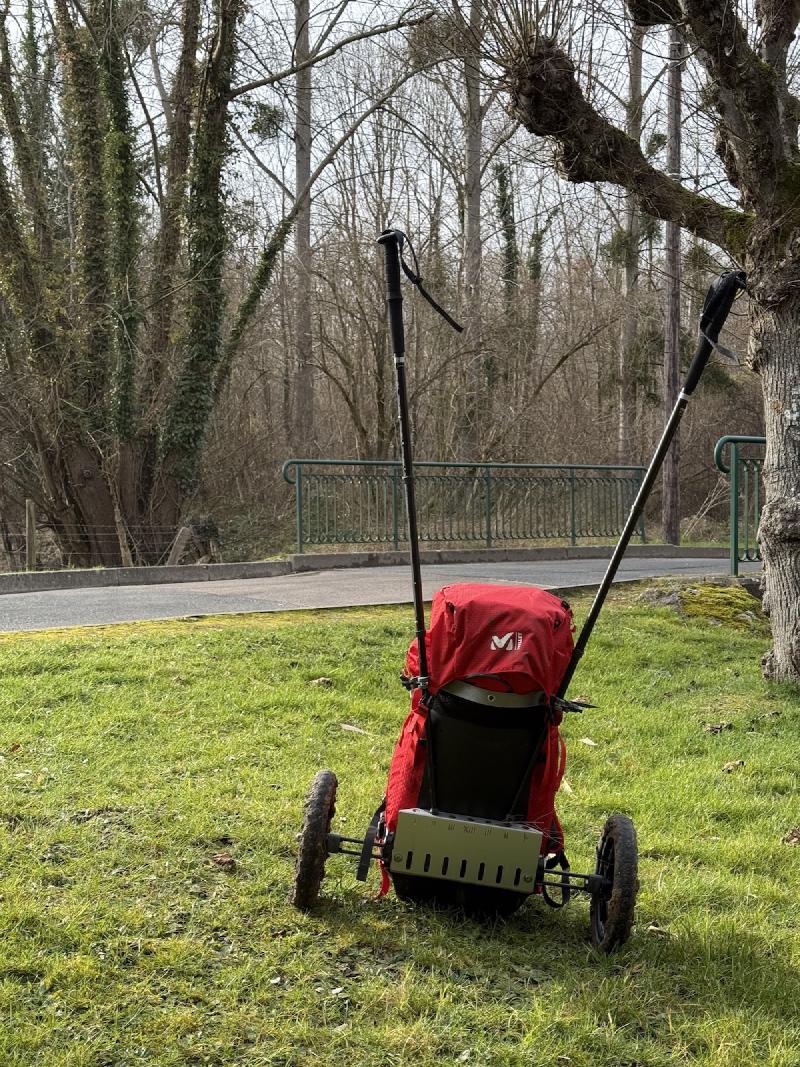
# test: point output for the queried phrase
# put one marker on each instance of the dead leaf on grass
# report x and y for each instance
(792, 837)
(588, 741)
(658, 931)
(717, 727)
(352, 729)
(566, 787)
(225, 861)
(87, 814)
(529, 974)
(731, 765)
(324, 683)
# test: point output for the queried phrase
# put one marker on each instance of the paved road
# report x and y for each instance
(320, 589)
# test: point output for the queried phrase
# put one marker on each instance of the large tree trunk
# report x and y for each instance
(775, 342)
(164, 285)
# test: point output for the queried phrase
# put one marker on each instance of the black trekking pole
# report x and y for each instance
(718, 303)
(393, 241)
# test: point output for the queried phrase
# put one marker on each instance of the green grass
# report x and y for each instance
(133, 755)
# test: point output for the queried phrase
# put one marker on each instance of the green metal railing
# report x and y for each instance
(340, 502)
(745, 496)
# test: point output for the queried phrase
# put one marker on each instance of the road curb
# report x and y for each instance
(332, 560)
(43, 581)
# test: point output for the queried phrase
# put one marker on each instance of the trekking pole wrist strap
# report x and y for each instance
(416, 279)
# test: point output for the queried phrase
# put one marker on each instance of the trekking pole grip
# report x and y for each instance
(392, 241)
(718, 303)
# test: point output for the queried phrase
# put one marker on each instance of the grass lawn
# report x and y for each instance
(152, 783)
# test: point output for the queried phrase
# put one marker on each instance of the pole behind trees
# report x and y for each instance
(303, 415)
(670, 506)
(627, 370)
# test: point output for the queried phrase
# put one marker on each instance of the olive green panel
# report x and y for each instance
(455, 848)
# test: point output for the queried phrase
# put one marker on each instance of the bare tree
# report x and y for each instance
(755, 115)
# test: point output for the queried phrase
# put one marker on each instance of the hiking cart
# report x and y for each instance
(469, 815)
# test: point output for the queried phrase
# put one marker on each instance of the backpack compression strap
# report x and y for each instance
(490, 699)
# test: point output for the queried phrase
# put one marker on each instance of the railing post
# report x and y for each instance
(395, 517)
(642, 535)
(734, 510)
(573, 529)
(757, 467)
(732, 468)
(298, 498)
(488, 479)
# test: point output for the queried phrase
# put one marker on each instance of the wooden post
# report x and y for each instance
(30, 535)
(178, 545)
(5, 546)
(122, 537)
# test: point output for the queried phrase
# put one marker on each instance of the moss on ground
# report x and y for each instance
(729, 604)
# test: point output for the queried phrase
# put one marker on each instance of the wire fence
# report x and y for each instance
(37, 545)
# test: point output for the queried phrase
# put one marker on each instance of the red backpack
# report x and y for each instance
(498, 638)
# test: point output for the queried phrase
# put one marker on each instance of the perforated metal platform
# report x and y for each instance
(456, 848)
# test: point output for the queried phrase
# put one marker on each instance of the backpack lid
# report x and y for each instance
(502, 638)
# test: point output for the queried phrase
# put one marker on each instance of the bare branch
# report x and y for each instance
(166, 106)
(263, 274)
(317, 57)
(548, 101)
(750, 100)
(159, 191)
(777, 22)
(284, 188)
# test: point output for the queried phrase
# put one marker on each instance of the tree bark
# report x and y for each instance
(207, 239)
(549, 102)
(775, 342)
(164, 280)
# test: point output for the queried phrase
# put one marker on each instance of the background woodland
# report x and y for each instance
(179, 316)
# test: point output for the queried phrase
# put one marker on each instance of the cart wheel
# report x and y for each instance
(611, 912)
(313, 847)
